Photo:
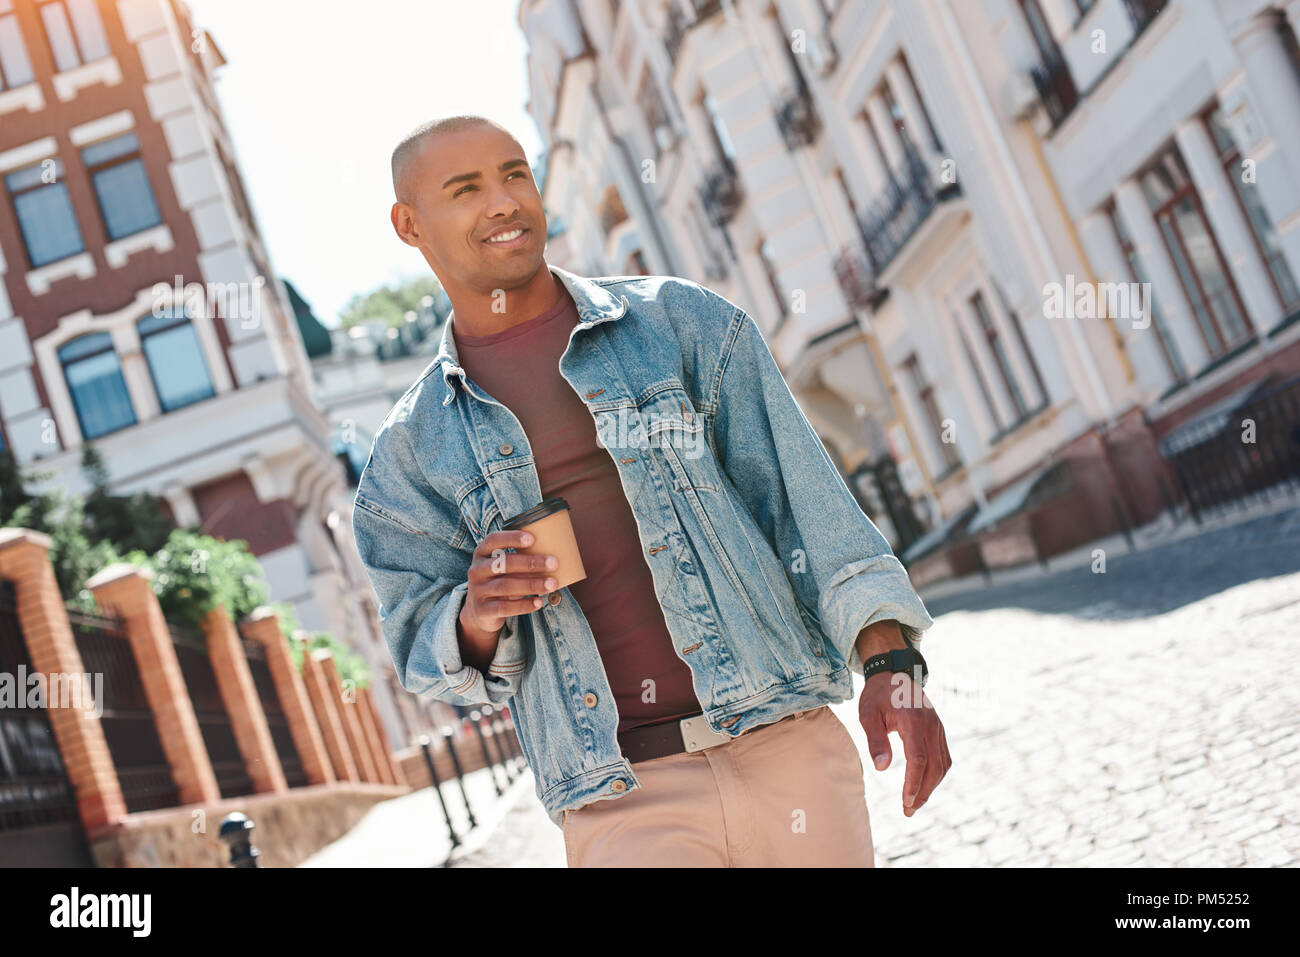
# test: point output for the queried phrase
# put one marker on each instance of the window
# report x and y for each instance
(769, 269)
(916, 97)
(924, 392)
(896, 115)
(652, 108)
(1053, 80)
(722, 140)
(1260, 225)
(999, 354)
(1166, 342)
(75, 32)
(171, 347)
(979, 380)
(44, 210)
(95, 382)
(121, 185)
(1172, 197)
(15, 68)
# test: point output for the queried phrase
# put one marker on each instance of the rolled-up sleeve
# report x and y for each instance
(839, 564)
(417, 556)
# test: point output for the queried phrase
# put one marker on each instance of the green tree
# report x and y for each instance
(74, 554)
(390, 302)
(131, 522)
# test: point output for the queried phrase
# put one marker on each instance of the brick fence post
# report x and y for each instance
(263, 626)
(351, 722)
(394, 768)
(239, 693)
(324, 702)
(25, 561)
(124, 590)
(371, 736)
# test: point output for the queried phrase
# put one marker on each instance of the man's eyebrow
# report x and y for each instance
(508, 164)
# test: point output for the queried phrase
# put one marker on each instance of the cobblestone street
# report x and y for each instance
(1145, 717)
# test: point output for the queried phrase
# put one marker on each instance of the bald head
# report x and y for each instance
(405, 152)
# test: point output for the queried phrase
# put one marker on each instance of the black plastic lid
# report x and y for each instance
(548, 507)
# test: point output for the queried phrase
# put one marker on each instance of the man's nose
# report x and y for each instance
(501, 203)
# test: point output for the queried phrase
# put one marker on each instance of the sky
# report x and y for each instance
(317, 95)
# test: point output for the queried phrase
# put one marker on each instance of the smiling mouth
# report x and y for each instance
(509, 238)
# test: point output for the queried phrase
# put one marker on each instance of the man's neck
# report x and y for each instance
(476, 315)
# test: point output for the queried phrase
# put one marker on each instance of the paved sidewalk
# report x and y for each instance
(1145, 717)
(411, 831)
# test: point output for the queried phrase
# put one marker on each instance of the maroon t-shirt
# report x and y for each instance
(520, 368)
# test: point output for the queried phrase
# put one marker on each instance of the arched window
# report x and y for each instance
(94, 377)
(180, 376)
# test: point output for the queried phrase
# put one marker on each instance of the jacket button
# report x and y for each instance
(619, 785)
(506, 448)
(554, 598)
(589, 700)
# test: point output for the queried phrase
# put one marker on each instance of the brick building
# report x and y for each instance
(139, 308)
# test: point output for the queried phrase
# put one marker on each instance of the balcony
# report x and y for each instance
(897, 216)
(722, 193)
(1142, 12)
(856, 278)
(679, 21)
(798, 118)
(1056, 89)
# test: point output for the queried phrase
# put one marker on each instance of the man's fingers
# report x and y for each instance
(509, 607)
(918, 763)
(877, 737)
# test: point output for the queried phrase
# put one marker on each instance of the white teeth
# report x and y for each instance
(506, 237)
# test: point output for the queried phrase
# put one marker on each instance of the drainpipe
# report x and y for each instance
(1022, 202)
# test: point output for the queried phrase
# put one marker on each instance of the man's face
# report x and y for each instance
(463, 188)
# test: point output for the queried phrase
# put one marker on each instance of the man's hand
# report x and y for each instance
(893, 701)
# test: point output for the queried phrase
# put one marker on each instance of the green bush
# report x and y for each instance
(193, 573)
(348, 662)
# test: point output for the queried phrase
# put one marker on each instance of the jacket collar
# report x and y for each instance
(594, 303)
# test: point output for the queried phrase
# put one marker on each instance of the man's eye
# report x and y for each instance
(461, 190)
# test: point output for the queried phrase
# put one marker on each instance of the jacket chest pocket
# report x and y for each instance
(479, 508)
(676, 437)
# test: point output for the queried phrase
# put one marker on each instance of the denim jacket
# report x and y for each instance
(764, 565)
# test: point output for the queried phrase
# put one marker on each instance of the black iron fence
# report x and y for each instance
(39, 824)
(276, 720)
(127, 719)
(210, 709)
(1242, 454)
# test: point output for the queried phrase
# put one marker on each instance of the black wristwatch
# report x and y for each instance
(897, 659)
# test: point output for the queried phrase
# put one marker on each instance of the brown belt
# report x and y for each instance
(654, 740)
(691, 733)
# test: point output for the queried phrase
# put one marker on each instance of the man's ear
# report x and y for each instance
(404, 224)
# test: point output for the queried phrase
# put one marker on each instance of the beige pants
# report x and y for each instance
(787, 794)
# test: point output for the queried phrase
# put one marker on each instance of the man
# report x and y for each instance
(672, 705)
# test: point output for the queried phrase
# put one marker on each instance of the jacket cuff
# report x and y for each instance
(865, 592)
(465, 683)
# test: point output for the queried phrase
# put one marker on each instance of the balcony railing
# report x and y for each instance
(856, 277)
(907, 202)
(722, 193)
(798, 118)
(1142, 12)
(679, 21)
(1056, 89)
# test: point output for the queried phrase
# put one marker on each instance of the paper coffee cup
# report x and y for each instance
(552, 532)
